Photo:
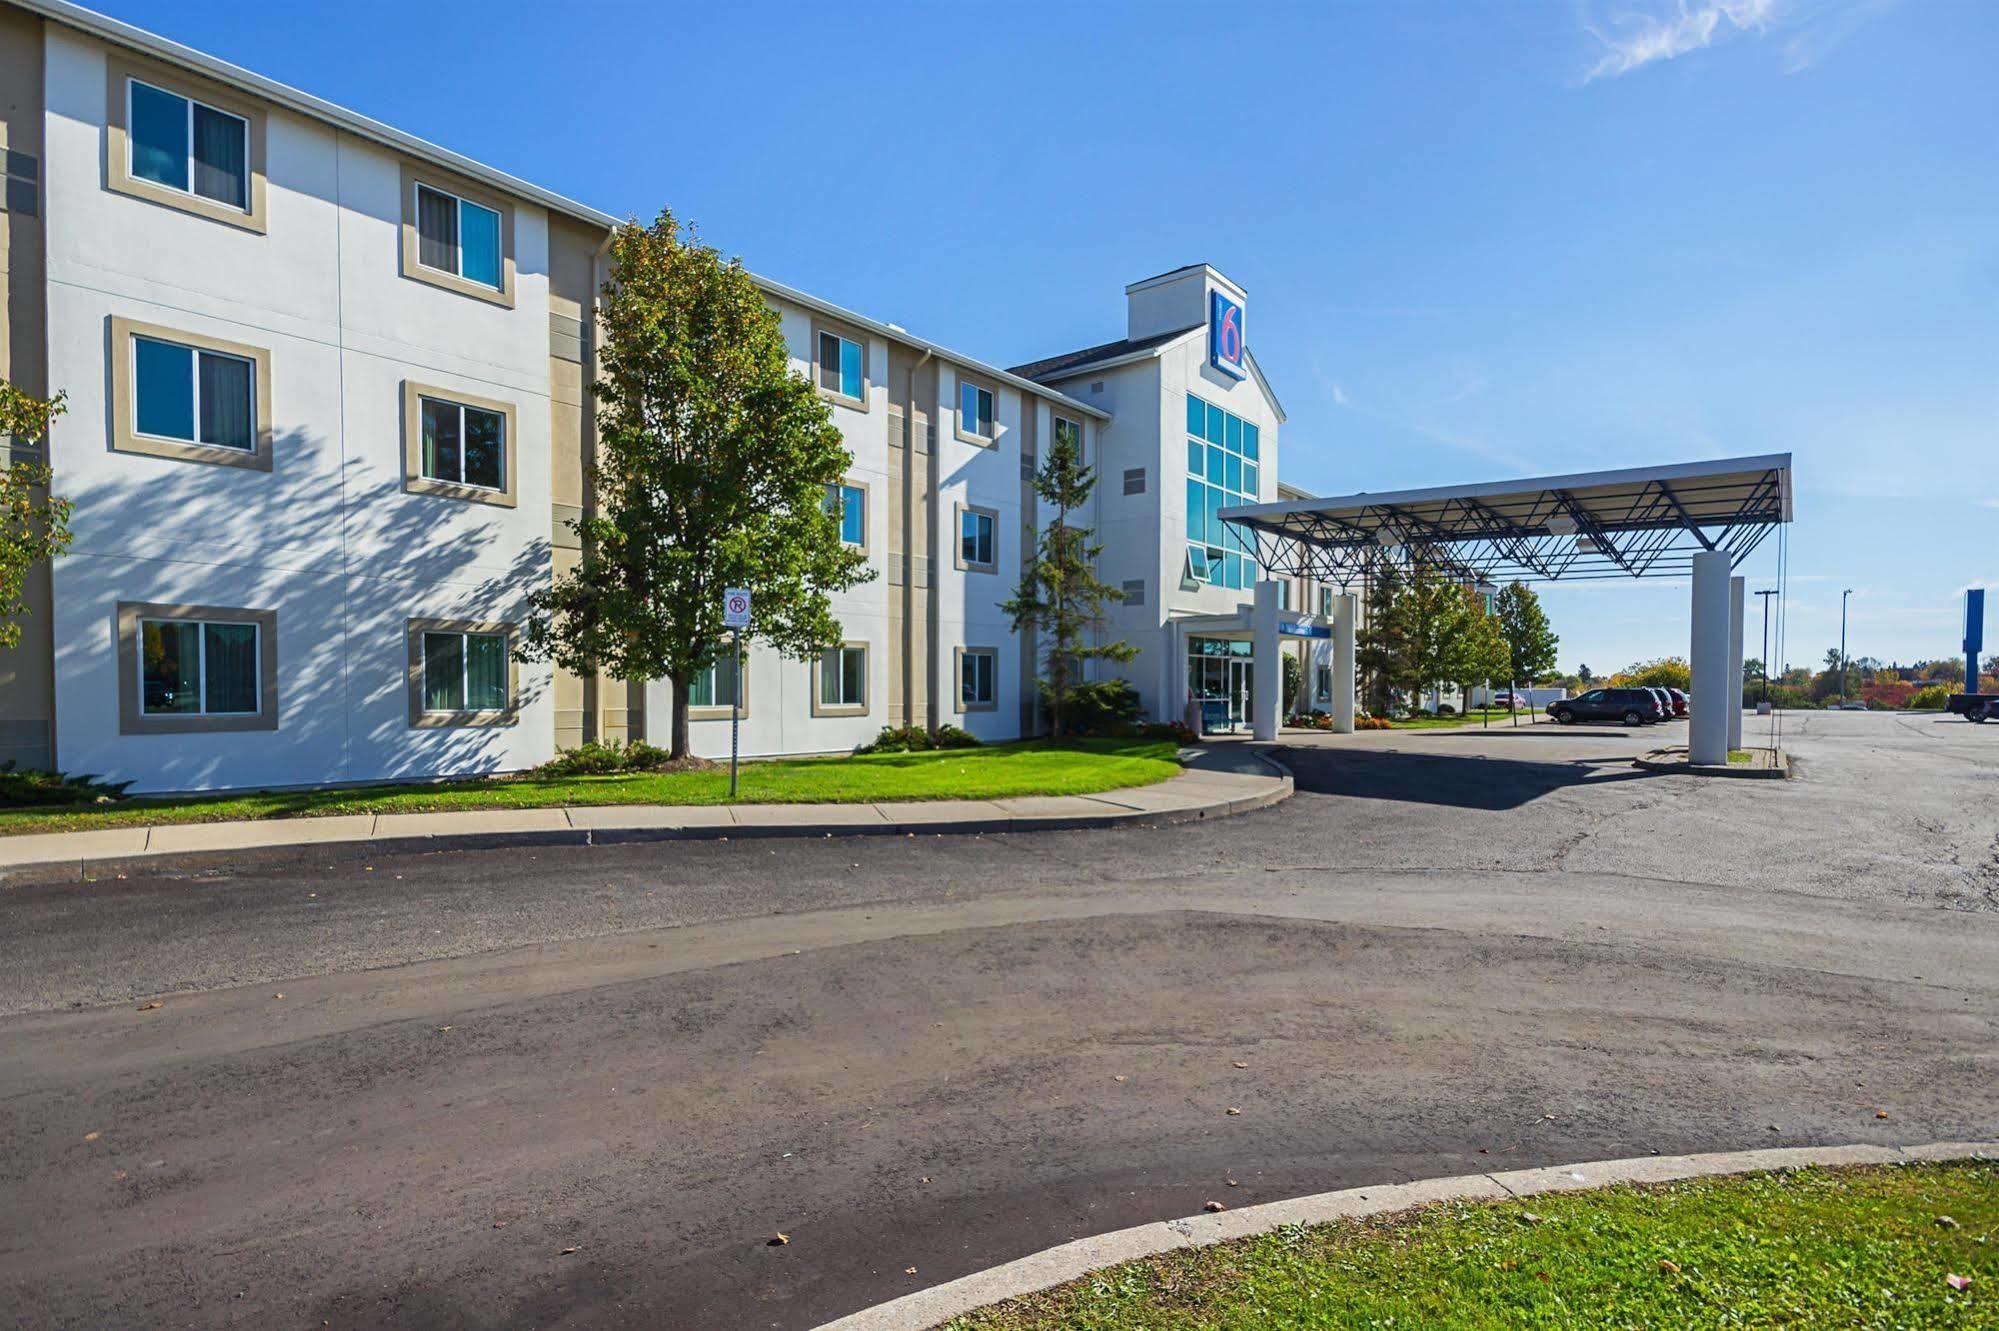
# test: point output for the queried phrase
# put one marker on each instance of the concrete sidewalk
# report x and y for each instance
(1220, 779)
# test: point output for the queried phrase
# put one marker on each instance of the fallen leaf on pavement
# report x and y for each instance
(277, 995)
(92, 1136)
(924, 1179)
(1118, 1077)
(909, 1270)
(148, 1007)
(1242, 1065)
(1234, 1184)
(779, 1239)
(1880, 1113)
(566, 1251)
(1214, 1206)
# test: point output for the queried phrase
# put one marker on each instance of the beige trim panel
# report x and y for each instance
(132, 720)
(958, 703)
(958, 412)
(422, 720)
(414, 175)
(866, 344)
(958, 560)
(122, 67)
(416, 483)
(124, 403)
(867, 685)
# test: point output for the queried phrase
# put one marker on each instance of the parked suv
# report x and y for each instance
(1681, 702)
(1631, 707)
(1665, 696)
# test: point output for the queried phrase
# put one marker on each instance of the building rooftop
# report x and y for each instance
(1075, 362)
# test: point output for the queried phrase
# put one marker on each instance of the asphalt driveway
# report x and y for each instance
(1449, 952)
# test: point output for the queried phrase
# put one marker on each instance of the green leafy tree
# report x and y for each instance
(34, 524)
(1668, 672)
(713, 463)
(1586, 676)
(1439, 612)
(1482, 653)
(1381, 650)
(1060, 598)
(1530, 640)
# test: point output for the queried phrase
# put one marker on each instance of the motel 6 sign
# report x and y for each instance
(1225, 335)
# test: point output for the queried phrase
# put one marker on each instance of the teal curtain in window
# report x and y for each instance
(229, 667)
(169, 656)
(486, 672)
(221, 154)
(442, 455)
(479, 237)
(163, 381)
(159, 136)
(227, 416)
(485, 448)
(850, 368)
(443, 672)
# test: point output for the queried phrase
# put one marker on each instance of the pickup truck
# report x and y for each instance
(1973, 706)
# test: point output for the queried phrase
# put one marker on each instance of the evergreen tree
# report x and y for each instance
(1060, 598)
(1530, 641)
(1381, 653)
(713, 463)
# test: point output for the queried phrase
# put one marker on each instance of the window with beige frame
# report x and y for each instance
(457, 235)
(458, 446)
(840, 364)
(189, 397)
(840, 681)
(848, 504)
(978, 410)
(186, 669)
(713, 693)
(462, 673)
(977, 547)
(185, 142)
(978, 678)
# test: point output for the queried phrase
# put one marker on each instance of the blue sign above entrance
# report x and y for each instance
(1225, 336)
(1293, 629)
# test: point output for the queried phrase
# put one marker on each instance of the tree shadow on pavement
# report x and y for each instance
(1454, 780)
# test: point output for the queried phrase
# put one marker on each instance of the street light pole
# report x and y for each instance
(1842, 643)
(1766, 595)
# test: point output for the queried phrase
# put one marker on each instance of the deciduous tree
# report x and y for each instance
(1530, 639)
(34, 524)
(713, 463)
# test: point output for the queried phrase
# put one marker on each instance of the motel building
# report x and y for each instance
(326, 424)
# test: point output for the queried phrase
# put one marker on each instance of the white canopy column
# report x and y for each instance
(1346, 609)
(1736, 592)
(1267, 706)
(1707, 738)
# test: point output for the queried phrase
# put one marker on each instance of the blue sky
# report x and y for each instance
(1480, 241)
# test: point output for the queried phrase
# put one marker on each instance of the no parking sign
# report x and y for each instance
(735, 608)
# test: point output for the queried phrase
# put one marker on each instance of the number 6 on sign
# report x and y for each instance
(735, 608)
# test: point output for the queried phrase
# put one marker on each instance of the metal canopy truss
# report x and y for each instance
(1637, 523)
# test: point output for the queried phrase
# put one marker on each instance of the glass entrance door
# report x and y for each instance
(1242, 676)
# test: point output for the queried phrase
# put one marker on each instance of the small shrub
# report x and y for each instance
(1930, 699)
(1445, 709)
(19, 787)
(899, 739)
(592, 758)
(951, 737)
(1373, 723)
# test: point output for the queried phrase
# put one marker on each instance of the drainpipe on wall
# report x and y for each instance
(909, 559)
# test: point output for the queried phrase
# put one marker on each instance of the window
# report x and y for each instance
(1284, 594)
(1322, 683)
(1223, 471)
(24, 191)
(461, 673)
(458, 446)
(184, 145)
(713, 692)
(1134, 480)
(842, 686)
(464, 445)
(1325, 602)
(841, 367)
(1134, 591)
(195, 396)
(1070, 433)
(849, 503)
(977, 540)
(191, 398)
(458, 236)
(975, 412)
(198, 667)
(186, 668)
(978, 675)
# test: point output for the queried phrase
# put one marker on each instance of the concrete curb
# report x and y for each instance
(1675, 760)
(1212, 787)
(927, 1308)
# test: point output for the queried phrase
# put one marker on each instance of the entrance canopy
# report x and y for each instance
(1638, 522)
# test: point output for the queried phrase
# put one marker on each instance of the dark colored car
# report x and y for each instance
(1988, 712)
(1681, 702)
(1631, 707)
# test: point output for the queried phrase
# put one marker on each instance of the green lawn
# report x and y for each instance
(1817, 1248)
(1500, 717)
(1041, 767)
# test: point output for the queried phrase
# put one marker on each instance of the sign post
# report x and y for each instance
(736, 616)
(1974, 635)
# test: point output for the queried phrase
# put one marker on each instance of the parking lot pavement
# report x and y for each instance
(584, 1086)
